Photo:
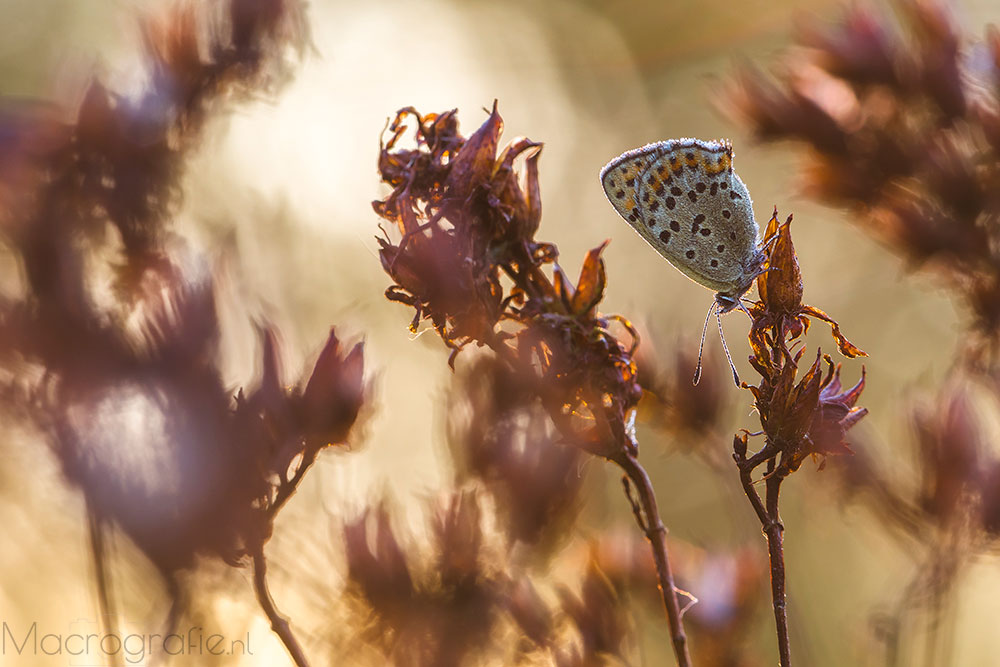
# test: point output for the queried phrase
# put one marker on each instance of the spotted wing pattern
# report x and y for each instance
(683, 197)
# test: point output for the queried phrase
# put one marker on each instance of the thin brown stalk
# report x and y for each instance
(648, 517)
(287, 489)
(775, 552)
(802, 414)
(770, 521)
(279, 624)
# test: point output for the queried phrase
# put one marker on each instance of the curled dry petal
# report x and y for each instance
(812, 417)
(460, 538)
(533, 197)
(530, 612)
(520, 208)
(269, 397)
(590, 286)
(473, 165)
(596, 614)
(846, 347)
(835, 414)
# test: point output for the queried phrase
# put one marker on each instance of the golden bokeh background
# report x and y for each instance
(280, 190)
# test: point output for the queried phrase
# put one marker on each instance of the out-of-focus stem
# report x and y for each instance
(288, 487)
(105, 596)
(279, 624)
(656, 532)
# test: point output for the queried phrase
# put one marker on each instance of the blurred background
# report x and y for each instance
(281, 188)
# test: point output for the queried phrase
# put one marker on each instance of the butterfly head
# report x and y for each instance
(731, 299)
(727, 302)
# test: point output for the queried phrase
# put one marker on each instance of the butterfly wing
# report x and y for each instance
(683, 197)
(621, 179)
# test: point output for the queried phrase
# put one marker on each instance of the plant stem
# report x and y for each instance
(105, 596)
(288, 487)
(776, 554)
(279, 624)
(770, 522)
(656, 532)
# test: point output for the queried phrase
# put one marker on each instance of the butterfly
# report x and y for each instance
(683, 197)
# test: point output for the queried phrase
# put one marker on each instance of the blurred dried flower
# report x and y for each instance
(436, 609)
(126, 386)
(479, 224)
(691, 412)
(901, 119)
(501, 436)
(729, 584)
(597, 616)
(947, 515)
(954, 499)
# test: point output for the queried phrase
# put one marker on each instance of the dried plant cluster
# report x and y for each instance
(464, 256)
(799, 416)
(464, 225)
(901, 121)
(116, 317)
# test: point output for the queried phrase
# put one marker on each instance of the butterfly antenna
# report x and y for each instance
(740, 305)
(732, 366)
(701, 346)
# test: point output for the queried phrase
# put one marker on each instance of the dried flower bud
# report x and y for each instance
(334, 394)
(382, 574)
(458, 532)
(780, 286)
(530, 612)
(780, 307)
(596, 614)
